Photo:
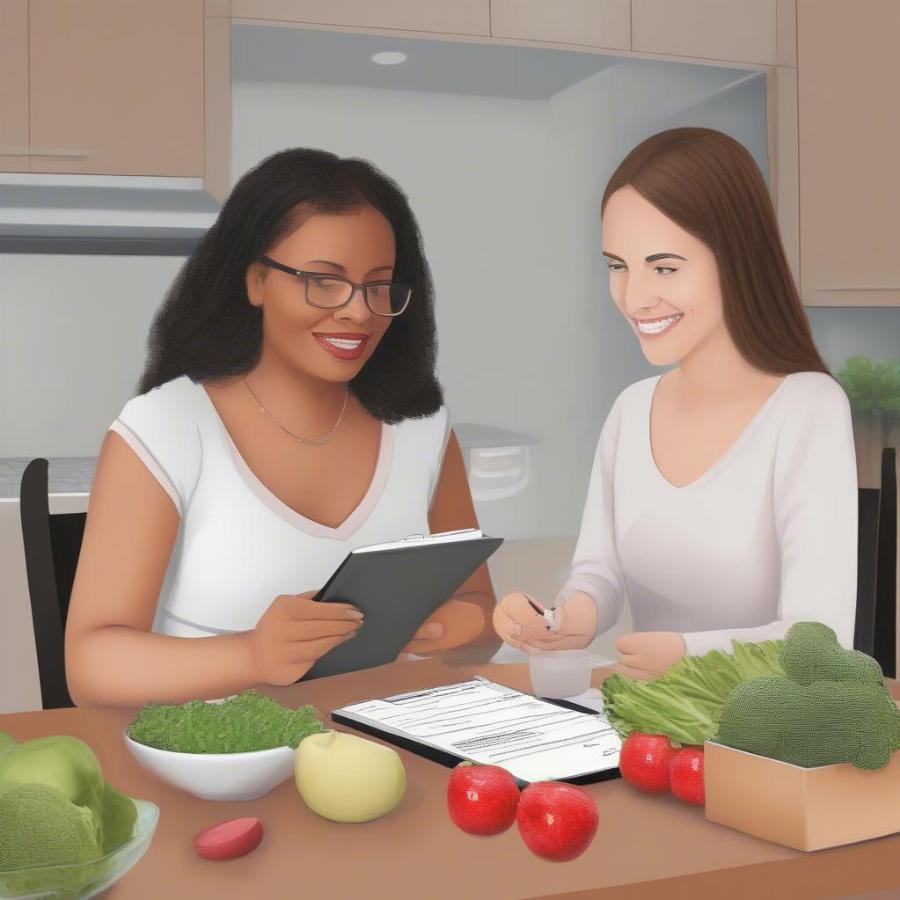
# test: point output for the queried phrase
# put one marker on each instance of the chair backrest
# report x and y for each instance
(866, 570)
(52, 545)
(886, 578)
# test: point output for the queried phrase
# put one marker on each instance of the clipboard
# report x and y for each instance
(603, 767)
(397, 586)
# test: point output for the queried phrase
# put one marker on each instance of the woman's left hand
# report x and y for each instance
(647, 654)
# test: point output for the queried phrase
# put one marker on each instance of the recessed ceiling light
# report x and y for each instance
(389, 58)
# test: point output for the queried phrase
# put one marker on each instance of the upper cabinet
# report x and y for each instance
(590, 23)
(849, 138)
(141, 87)
(761, 31)
(14, 85)
(115, 87)
(444, 16)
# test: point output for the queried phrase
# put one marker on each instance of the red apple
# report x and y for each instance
(557, 821)
(686, 775)
(644, 761)
(482, 799)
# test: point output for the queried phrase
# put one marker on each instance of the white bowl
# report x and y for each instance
(218, 776)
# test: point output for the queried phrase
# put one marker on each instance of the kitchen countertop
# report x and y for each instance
(67, 474)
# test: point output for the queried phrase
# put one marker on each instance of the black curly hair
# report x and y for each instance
(206, 327)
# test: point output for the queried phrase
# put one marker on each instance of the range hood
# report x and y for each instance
(103, 214)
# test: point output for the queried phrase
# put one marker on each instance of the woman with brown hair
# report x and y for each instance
(723, 495)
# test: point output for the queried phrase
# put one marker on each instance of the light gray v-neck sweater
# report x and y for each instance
(766, 537)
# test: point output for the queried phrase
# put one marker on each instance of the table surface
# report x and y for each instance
(646, 846)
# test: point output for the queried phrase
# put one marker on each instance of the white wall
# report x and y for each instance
(73, 331)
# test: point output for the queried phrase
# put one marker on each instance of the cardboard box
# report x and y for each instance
(807, 809)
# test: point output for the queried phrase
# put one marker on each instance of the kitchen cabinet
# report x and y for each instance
(458, 17)
(784, 168)
(13, 85)
(762, 32)
(116, 87)
(849, 144)
(590, 23)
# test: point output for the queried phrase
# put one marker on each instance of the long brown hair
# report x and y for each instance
(709, 184)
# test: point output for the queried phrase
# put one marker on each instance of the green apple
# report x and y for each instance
(347, 778)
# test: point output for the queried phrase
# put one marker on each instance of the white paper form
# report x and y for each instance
(496, 725)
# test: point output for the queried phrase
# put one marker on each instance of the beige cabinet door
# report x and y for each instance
(590, 23)
(13, 85)
(849, 137)
(444, 16)
(747, 31)
(116, 87)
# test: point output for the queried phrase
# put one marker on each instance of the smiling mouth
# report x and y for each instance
(344, 347)
(657, 326)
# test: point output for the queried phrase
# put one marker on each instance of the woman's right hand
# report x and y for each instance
(294, 632)
(518, 625)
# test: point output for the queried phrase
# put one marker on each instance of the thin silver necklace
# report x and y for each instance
(296, 437)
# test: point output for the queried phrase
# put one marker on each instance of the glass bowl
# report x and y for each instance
(560, 673)
(77, 881)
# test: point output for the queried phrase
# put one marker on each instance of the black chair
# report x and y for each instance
(867, 570)
(52, 545)
(886, 579)
(876, 596)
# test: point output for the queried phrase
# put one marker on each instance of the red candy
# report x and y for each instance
(229, 839)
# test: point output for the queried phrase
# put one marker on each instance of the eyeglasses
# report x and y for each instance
(383, 298)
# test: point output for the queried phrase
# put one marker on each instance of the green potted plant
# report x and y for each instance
(873, 389)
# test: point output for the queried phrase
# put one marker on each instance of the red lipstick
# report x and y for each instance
(342, 345)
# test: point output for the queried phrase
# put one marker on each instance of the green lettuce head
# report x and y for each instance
(6, 742)
(64, 763)
(685, 702)
(47, 843)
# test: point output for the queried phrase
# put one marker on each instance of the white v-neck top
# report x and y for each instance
(239, 546)
(767, 536)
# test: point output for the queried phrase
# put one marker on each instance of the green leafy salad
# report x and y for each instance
(246, 722)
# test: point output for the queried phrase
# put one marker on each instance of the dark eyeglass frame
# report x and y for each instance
(363, 288)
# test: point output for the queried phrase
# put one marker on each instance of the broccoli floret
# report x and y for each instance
(811, 652)
(812, 725)
(39, 826)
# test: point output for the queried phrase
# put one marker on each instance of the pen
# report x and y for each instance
(546, 614)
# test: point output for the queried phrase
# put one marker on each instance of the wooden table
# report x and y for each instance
(646, 846)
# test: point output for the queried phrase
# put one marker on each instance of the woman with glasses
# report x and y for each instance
(723, 497)
(288, 413)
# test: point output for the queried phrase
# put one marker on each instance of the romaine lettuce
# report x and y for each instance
(685, 702)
